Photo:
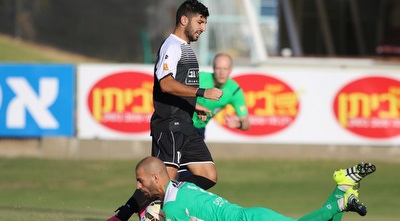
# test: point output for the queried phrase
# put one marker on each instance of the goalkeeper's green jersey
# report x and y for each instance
(232, 94)
(184, 201)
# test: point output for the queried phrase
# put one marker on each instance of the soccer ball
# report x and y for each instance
(154, 212)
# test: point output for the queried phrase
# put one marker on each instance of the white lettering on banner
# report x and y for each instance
(36, 104)
(115, 117)
(270, 121)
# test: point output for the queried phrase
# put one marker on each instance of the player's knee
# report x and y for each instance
(172, 172)
(213, 178)
(207, 171)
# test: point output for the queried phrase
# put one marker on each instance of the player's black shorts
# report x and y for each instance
(177, 149)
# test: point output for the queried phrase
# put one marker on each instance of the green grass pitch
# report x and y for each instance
(89, 190)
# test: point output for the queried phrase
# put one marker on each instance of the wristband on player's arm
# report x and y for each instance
(200, 92)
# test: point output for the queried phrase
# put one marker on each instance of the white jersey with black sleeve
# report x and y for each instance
(174, 113)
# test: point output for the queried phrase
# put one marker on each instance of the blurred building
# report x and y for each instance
(250, 30)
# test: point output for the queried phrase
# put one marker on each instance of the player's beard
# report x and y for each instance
(190, 33)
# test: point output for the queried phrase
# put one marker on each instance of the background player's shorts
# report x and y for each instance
(177, 149)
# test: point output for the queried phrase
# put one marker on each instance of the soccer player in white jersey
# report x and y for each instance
(176, 88)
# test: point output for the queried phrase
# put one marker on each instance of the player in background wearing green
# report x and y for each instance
(233, 95)
(185, 201)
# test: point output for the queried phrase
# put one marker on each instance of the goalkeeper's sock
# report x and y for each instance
(326, 212)
(336, 195)
(199, 181)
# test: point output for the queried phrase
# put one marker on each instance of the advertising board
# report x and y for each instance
(307, 105)
(37, 100)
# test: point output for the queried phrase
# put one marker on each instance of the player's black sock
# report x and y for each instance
(133, 205)
(199, 181)
(125, 211)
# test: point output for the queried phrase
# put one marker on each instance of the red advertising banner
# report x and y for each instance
(369, 107)
(305, 105)
(272, 104)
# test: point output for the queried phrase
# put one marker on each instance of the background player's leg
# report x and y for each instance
(203, 175)
(172, 172)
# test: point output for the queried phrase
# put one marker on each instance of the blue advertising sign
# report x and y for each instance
(36, 100)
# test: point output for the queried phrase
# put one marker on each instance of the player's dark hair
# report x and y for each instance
(190, 8)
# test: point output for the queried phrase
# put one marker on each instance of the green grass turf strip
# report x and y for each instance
(42, 189)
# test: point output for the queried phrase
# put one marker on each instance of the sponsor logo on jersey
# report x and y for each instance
(192, 77)
(369, 107)
(123, 101)
(165, 66)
